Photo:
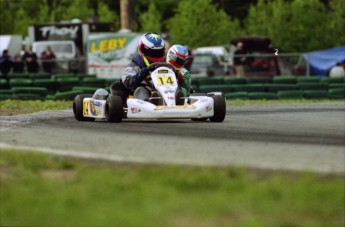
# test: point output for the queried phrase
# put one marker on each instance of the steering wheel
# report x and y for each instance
(155, 65)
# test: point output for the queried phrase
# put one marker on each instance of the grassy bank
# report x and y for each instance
(42, 190)
(14, 107)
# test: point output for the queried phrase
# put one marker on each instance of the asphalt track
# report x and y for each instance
(299, 137)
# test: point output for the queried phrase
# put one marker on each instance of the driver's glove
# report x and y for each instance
(152, 67)
(142, 74)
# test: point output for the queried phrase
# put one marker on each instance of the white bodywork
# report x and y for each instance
(203, 107)
(165, 82)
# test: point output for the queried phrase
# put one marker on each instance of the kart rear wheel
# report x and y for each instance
(199, 119)
(78, 107)
(219, 107)
(114, 108)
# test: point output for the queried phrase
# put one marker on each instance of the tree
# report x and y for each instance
(78, 9)
(336, 24)
(164, 8)
(258, 18)
(106, 15)
(236, 8)
(151, 20)
(200, 23)
(307, 26)
(16, 16)
(297, 26)
(269, 19)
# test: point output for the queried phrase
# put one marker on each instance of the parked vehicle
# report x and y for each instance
(210, 61)
(68, 39)
(206, 65)
(216, 50)
(12, 43)
(65, 52)
(261, 59)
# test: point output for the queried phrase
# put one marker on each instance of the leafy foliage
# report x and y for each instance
(336, 23)
(78, 9)
(151, 20)
(16, 16)
(302, 25)
(200, 23)
(293, 26)
(106, 15)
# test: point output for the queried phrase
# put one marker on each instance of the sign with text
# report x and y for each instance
(48, 32)
(108, 55)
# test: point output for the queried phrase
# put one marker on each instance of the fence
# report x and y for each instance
(69, 78)
(255, 65)
(76, 65)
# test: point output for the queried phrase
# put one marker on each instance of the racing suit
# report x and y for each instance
(133, 79)
(185, 81)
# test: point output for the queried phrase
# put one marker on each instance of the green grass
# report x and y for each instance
(42, 190)
(14, 107)
(239, 102)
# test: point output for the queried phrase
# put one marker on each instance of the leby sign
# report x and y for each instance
(108, 44)
(108, 55)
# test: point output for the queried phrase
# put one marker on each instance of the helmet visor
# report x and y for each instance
(153, 53)
(178, 61)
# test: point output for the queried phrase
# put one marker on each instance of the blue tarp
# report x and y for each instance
(321, 61)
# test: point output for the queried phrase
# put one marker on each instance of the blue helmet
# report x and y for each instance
(151, 46)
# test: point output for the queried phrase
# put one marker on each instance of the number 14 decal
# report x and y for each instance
(163, 80)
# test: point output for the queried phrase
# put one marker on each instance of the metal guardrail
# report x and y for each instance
(76, 65)
(288, 62)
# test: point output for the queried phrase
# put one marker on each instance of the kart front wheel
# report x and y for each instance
(114, 108)
(78, 107)
(219, 107)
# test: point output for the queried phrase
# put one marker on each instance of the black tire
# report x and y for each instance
(219, 108)
(199, 119)
(114, 108)
(198, 94)
(78, 107)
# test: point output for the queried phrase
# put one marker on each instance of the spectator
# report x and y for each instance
(48, 60)
(5, 63)
(337, 71)
(30, 60)
(239, 60)
(18, 64)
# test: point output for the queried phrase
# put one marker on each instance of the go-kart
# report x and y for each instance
(198, 107)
